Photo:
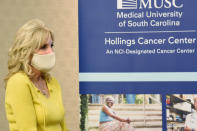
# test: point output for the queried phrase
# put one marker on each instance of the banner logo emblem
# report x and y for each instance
(127, 4)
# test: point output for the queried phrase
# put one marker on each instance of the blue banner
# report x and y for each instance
(137, 36)
(138, 47)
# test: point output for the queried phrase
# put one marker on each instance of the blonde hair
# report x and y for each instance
(31, 36)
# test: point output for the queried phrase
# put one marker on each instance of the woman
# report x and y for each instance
(33, 98)
(109, 121)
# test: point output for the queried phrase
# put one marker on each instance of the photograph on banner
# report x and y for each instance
(107, 112)
(181, 112)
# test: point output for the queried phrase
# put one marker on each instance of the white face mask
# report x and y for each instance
(43, 63)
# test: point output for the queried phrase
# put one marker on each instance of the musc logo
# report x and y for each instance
(148, 4)
(127, 4)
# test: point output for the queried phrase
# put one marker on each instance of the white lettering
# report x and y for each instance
(148, 3)
(175, 5)
(163, 3)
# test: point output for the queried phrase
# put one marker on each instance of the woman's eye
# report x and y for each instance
(52, 45)
(44, 47)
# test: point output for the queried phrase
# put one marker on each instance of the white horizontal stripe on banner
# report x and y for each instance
(138, 76)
